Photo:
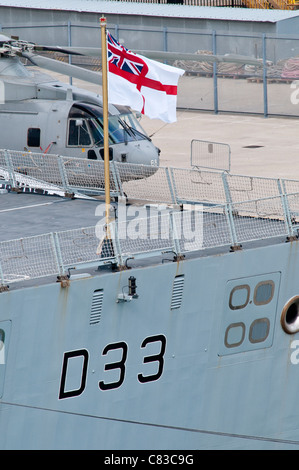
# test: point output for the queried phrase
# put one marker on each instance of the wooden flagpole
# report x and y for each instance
(103, 23)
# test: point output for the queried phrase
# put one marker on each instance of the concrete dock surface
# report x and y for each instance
(276, 140)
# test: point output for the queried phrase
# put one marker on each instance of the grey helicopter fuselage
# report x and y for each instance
(39, 114)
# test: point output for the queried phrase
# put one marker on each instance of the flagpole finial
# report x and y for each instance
(103, 21)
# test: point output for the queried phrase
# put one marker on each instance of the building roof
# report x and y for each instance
(150, 9)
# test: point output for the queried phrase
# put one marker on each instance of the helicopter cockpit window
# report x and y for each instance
(97, 132)
(123, 127)
(133, 126)
(118, 132)
(33, 137)
(78, 133)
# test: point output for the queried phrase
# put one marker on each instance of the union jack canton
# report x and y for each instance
(125, 63)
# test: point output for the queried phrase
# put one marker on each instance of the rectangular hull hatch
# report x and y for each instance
(177, 292)
(249, 313)
(96, 307)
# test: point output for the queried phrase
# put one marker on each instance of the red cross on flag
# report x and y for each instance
(143, 84)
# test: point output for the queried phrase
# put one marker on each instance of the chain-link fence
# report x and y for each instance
(270, 87)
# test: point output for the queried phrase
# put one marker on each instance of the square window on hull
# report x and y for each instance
(33, 137)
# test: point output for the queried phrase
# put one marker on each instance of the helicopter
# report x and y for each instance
(42, 115)
(39, 114)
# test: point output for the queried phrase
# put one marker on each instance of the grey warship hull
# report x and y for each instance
(201, 353)
(201, 399)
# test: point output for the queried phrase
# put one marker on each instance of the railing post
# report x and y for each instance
(231, 224)
(173, 199)
(116, 179)
(63, 174)
(113, 230)
(116, 32)
(165, 42)
(3, 286)
(174, 235)
(291, 234)
(174, 191)
(69, 43)
(57, 253)
(215, 74)
(62, 277)
(10, 169)
(226, 188)
(265, 77)
(1, 275)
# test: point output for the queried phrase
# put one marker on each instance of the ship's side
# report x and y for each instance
(199, 360)
(175, 326)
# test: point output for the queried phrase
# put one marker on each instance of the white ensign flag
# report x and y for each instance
(143, 84)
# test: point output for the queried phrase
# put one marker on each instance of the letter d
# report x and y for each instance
(75, 392)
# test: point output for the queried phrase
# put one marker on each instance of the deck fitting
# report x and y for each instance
(235, 248)
(64, 280)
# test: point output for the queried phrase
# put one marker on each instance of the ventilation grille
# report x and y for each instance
(96, 307)
(177, 292)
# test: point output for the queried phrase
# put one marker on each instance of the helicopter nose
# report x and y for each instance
(145, 153)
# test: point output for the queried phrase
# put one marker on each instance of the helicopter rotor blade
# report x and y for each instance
(160, 55)
(200, 57)
(64, 68)
(96, 77)
(63, 50)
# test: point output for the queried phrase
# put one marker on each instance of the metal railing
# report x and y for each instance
(177, 232)
(25, 171)
(227, 211)
(60, 175)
